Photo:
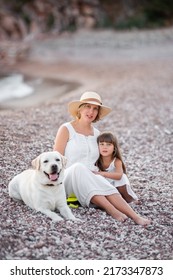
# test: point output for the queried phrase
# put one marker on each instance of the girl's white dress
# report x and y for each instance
(123, 181)
(81, 153)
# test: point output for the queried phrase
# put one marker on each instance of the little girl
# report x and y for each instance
(111, 166)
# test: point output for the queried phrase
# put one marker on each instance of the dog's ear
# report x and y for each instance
(36, 163)
(64, 161)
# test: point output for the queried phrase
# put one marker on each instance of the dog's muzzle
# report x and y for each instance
(54, 175)
(54, 168)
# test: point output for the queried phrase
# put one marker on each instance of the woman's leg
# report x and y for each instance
(104, 203)
(119, 203)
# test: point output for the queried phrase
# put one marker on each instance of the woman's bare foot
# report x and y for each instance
(142, 221)
(121, 218)
(117, 215)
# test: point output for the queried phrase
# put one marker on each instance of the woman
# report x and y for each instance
(77, 140)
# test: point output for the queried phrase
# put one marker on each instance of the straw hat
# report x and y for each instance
(90, 97)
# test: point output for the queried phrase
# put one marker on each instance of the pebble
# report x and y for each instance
(142, 119)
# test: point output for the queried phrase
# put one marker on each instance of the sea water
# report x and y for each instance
(13, 87)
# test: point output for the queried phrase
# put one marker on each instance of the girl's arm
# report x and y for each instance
(61, 140)
(116, 175)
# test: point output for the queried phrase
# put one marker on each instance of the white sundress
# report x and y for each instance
(81, 153)
(123, 181)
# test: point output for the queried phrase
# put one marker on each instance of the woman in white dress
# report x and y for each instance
(77, 140)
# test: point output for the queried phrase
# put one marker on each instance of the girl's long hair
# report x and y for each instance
(109, 138)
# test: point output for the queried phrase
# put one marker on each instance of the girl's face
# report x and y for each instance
(106, 149)
(89, 112)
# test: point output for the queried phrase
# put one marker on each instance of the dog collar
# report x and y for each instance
(51, 185)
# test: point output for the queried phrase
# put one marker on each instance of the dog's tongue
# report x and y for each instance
(53, 177)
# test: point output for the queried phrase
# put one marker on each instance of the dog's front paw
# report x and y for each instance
(57, 219)
(77, 220)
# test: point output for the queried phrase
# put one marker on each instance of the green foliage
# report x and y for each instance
(147, 14)
(50, 21)
(158, 10)
(105, 22)
(138, 21)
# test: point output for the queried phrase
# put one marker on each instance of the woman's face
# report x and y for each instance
(89, 112)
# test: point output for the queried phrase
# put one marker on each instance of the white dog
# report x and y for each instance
(42, 188)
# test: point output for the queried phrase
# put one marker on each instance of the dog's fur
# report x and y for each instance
(42, 187)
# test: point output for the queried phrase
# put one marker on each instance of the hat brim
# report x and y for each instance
(74, 106)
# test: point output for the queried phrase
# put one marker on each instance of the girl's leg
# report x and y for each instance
(123, 191)
(104, 203)
(119, 203)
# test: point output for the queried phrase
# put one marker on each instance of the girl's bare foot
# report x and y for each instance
(136, 202)
(142, 221)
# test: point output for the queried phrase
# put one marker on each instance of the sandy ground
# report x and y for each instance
(133, 71)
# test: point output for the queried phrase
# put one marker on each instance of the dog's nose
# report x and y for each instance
(54, 168)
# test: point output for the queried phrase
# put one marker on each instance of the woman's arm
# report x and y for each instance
(116, 175)
(61, 140)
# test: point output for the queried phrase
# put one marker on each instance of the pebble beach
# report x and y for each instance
(133, 72)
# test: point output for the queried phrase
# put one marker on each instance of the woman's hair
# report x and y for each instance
(79, 115)
(109, 138)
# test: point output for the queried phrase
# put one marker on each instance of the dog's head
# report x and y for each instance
(51, 166)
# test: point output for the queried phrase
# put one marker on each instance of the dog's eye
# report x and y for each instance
(45, 161)
(57, 159)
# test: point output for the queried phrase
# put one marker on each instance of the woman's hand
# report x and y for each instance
(102, 173)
